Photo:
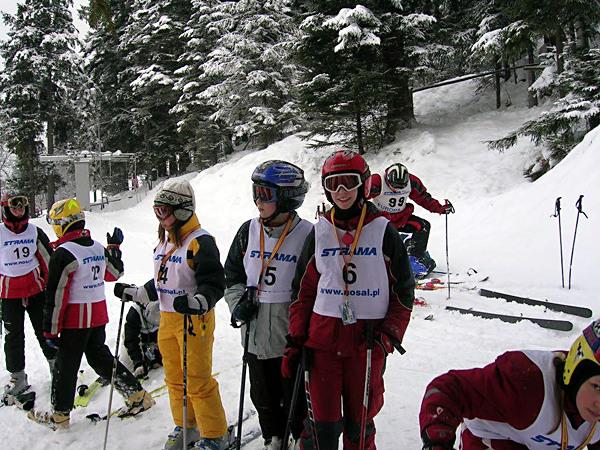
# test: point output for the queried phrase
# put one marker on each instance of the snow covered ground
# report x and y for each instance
(502, 227)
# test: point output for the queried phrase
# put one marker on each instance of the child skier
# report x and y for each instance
(390, 193)
(75, 313)
(141, 337)
(353, 277)
(24, 255)
(263, 257)
(188, 281)
(528, 399)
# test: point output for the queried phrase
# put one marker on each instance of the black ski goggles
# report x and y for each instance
(264, 193)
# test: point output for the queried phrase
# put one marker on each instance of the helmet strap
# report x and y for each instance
(275, 219)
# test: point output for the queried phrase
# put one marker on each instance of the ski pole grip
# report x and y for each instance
(252, 297)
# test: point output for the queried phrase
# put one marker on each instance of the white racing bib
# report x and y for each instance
(87, 284)
(277, 279)
(390, 201)
(178, 277)
(368, 284)
(17, 251)
(545, 432)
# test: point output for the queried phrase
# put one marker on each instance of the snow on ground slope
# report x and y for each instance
(502, 227)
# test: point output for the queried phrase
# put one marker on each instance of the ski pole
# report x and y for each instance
(365, 408)
(114, 373)
(557, 214)
(579, 206)
(186, 317)
(238, 440)
(294, 400)
(309, 408)
(447, 257)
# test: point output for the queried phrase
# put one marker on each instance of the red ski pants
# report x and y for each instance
(336, 387)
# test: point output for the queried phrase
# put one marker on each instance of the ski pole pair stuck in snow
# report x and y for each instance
(557, 209)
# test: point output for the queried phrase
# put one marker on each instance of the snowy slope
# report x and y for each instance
(502, 227)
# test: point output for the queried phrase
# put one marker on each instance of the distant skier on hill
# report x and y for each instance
(530, 399)
(24, 255)
(390, 193)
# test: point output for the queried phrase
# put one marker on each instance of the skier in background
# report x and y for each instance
(141, 337)
(261, 263)
(353, 276)
(75, 313)
(390, 193)
(24, 256)
(529, 399)
(188, 280)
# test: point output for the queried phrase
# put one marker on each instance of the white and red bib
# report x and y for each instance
(87, 284)
(392, 201)
(178, 278)
(367, 279)
(277, 279)
(17, 251)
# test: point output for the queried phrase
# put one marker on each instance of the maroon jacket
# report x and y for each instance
(329, 333)
(509, 390)
(419, 195)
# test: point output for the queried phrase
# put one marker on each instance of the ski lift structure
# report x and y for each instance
(82, 162)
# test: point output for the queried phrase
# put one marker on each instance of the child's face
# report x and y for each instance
(265, 210)
(588, 399)
(344, 199)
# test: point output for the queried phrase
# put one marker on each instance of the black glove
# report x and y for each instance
(131, 293)
(188, 304)
(447, 208)
(247, 307)
(116, 238)
(438, 437)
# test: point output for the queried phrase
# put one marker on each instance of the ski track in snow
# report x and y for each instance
(502, 227)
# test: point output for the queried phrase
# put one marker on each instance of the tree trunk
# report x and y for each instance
(30, 149)
(51, 190)
(581, 39)
(497, 83)
(359, 131)
(531, 96)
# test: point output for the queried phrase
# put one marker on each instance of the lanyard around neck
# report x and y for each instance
(564, 433)
(279, 243)
(361, 221)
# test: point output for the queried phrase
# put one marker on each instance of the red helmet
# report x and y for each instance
(350, 163)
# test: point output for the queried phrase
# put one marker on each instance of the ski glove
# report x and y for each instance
(438, 437)
(291, 358)
(116, 238)
(447, 208)
(52, 343)
(131, 293)
(188, 304)
(247, 307)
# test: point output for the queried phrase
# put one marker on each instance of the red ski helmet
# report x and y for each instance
(346, 162)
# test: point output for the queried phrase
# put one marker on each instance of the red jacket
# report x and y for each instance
(509, 390)
(33, 282)
(418, 194)
(58, 312)
(329, 333)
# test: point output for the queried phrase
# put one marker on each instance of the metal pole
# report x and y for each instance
(291, 412)
(238, 441)
(114, 374)
(557, 214)
(185, 344)
(579, 206)
(365, 409)
(309, 408)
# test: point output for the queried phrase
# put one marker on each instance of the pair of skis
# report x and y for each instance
(552, 324)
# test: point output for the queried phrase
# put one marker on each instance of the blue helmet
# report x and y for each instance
(287, 181)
